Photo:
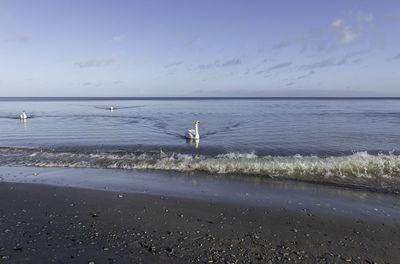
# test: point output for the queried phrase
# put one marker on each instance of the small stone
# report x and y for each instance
(120, 196)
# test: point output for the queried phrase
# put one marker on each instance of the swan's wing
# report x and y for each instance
(190, 133)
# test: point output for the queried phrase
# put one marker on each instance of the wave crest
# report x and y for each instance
(360, 169)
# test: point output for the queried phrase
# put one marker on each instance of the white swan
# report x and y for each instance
(193, 133)
(23, 116)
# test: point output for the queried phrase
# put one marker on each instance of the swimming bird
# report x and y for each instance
(193, 133)
(23, 115)
(111, 108)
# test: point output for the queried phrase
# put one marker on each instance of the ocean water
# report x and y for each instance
(327, 140)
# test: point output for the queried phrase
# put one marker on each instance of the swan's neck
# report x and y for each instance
(196, 127)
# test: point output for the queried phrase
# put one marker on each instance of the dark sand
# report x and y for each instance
(46, 224)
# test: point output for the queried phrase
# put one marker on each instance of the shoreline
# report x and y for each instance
(63, 224)
(243, 191)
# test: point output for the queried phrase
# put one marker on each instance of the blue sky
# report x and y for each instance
(199, 48)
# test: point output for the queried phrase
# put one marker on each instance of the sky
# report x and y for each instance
(199, 48)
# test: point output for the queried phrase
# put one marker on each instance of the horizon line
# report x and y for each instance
(194, 97)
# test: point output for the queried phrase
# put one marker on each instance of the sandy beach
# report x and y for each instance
(47, 224)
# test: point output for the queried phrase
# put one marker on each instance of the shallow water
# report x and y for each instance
(249, 191)
(350, 141)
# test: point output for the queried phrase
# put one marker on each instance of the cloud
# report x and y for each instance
(118, 38)
(301, 77)
(319, 38)
(19, 37)
(320, 64)
(172, 64)
(218, 64)
(347, 33)
(206, 66)
(231, 62)
(193, 40)
(280, 66)
(288, 42)
(324, 63)
(96, 63)
(275, 67)
(364, 16)
(261, 72)
(397, 57)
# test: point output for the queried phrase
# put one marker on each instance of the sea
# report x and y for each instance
(350, 142)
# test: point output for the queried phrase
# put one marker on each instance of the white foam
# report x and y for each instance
(360, 168)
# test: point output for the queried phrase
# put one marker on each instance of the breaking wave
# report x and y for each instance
(360, 169)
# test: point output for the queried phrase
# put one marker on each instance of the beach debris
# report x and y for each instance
(170, 250)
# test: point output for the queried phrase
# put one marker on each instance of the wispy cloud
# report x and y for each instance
(96, 63)
(280, 66)
(287, 42)
(364, 16)
(231, 62)
(347, 33)
(206, 66)
(173, 64)
(218, 64)
(320, 64)
(324, 63)
(261, 72)
(301, 77)
(19, 37)
(320, 39)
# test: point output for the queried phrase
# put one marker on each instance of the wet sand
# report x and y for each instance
(47, 224)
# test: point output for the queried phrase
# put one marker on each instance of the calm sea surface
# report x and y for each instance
(352, 141)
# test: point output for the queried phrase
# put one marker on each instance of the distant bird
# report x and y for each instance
(111, 108)
(23, 116)
(193, 133)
